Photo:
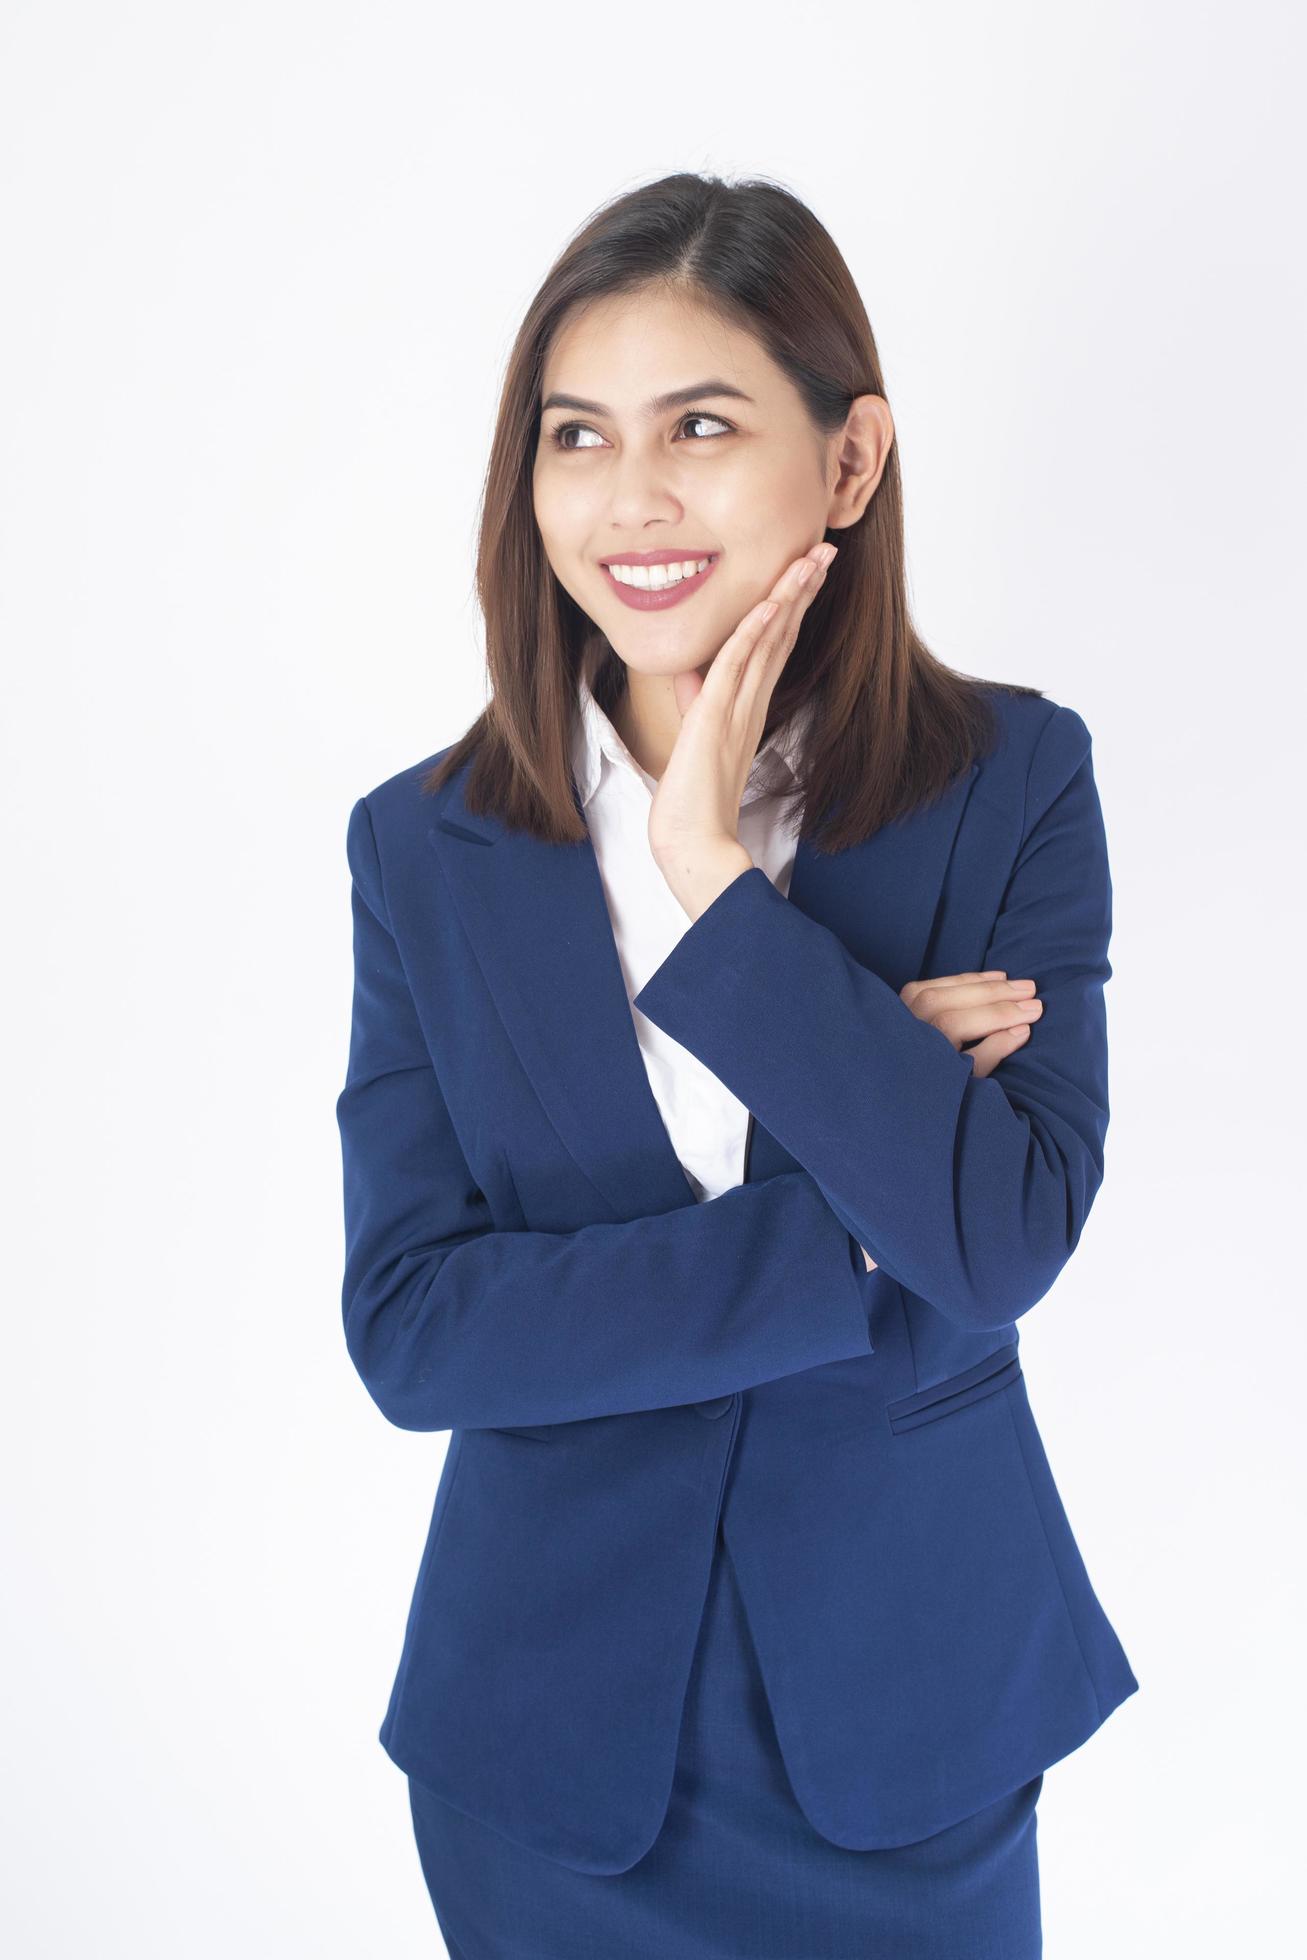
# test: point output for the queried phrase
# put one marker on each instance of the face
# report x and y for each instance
(733, 470)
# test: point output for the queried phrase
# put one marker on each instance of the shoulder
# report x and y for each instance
(399, 800)
(404, 787)
(1041, 745)
(386, 826)
(1029, 721)
(1038, 777)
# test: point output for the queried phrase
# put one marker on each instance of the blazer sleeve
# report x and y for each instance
(971, 1192)
(454, 1324)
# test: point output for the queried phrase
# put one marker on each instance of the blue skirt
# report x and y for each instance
(737, 1872)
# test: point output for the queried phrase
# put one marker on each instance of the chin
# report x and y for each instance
(654, 669)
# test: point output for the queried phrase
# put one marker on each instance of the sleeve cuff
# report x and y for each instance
(719, 941)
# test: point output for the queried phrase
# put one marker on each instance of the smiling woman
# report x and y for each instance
(727, 1076)
(653, 481)
(661, 398)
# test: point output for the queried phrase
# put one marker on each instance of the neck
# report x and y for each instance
(648, 720)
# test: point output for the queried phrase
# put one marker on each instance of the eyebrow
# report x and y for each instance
(659, 405)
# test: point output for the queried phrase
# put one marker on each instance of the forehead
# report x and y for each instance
(624, 347)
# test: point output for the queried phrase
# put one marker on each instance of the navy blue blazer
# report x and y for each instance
(527, 1267)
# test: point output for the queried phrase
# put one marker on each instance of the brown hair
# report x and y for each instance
(892, 725)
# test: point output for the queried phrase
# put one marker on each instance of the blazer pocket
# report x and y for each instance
(959, 1391)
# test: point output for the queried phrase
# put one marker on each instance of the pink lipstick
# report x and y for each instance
(656, 599)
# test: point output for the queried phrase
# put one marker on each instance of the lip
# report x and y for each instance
(650, 601)
(665, 555)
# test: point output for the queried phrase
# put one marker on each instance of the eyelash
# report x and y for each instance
(693, 415)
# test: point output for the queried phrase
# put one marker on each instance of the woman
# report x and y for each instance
(727, 1076)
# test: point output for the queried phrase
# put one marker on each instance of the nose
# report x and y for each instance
(642, 494)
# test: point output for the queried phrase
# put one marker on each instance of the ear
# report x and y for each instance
(861, 453)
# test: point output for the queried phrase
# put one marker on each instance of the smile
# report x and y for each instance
(649, 588)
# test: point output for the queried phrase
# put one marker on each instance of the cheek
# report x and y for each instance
(764, 525)
(774, 506)
(566, 515)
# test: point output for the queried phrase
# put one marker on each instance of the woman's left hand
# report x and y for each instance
(695, 818)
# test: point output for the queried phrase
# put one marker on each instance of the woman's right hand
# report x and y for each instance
(986, 1008)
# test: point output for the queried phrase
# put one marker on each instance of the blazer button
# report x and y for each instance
(711, 1410)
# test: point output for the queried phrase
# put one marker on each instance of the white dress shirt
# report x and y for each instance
(706, 1123)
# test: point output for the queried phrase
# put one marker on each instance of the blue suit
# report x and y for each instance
(526, 1267)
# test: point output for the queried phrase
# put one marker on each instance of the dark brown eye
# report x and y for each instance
(695, 415)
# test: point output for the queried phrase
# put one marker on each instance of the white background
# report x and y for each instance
(263, 265)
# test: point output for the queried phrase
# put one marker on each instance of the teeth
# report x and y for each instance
(652, 578)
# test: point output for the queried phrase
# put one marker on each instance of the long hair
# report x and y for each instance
(892, 726)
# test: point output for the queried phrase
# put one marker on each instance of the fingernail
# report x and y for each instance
(828, 554)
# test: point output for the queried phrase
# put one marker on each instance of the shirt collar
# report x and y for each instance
(596, 744)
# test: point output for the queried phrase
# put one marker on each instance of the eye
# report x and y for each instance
(695, 415)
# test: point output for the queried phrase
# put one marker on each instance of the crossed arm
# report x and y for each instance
(972, 1192)
(453, 1324)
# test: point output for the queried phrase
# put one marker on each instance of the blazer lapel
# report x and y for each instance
(537, 919)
